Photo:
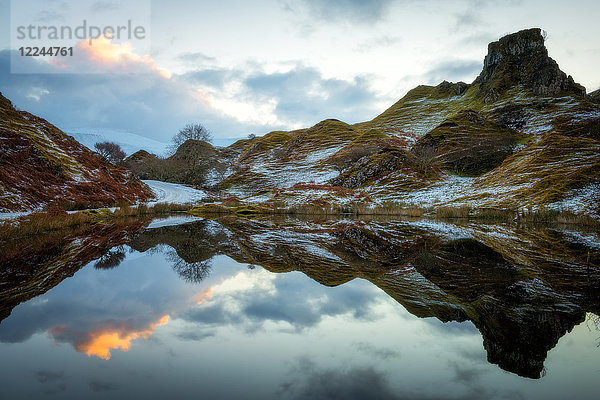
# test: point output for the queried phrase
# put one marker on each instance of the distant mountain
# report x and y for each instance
(40, 166)
(523, 134)
(129, 142)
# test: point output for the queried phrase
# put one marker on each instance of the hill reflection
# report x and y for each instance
(522, 287)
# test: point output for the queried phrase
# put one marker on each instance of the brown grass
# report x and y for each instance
(452, 212)
(57, 218)
(561, 217)
(394, 209)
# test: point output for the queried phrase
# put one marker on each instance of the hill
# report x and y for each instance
(523, 134)
(129, 142)
(40, 166)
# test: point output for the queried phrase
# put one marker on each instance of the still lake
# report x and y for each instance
(301, 309)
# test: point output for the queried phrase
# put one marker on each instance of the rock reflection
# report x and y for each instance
(522, 288)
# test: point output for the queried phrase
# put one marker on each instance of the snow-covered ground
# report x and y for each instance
(166, 192)
(12, 215)
(171, 221)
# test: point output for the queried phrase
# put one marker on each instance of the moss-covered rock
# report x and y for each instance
(467, 144)
(522, 59)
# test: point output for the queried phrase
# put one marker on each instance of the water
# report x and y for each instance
(296, 309)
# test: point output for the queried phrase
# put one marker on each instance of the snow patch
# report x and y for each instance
(166, 192)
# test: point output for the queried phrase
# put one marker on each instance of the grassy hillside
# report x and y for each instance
(523, 134)
(40, 165)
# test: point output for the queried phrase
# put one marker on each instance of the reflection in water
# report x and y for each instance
(111, 259)
(203, 296)
(521, 288)
(100, 341)
(193, 272)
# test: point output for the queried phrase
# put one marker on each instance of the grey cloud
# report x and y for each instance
(211, 77)
(303, 94)
(379, 352)
(466, 19)
(46, 16)
(378, 42)
(44, 376)
(102, 386)
(293, 302)
(104, 6)
(310, 382)
(195, 336)
(466, 374)
(453, 70)
(196, 57)
(356, 11)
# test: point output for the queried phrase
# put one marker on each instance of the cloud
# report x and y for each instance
(147, 104)
(384, 41)
(104, 6)
(54, 381)
(378, 352)
(303, 94)
(356, 11)
(307, 380)
(102, 386)
(130, 92)
(108, 57)
(298, 97)
(310, 382)
(196, 57)
(104, 309)
(466, 374)
(194, 335)
(453, 70)
(44, 376)
(251, 298)
(104, 338)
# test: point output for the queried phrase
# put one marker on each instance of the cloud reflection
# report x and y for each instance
(101, 341)
(252, 298)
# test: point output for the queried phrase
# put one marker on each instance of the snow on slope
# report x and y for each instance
(166, 192)
(129, 142)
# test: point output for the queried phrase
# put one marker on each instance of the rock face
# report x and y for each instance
(40, 166)
(522, 59)
(468, 144)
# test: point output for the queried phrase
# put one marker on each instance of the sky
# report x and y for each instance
(241, 67)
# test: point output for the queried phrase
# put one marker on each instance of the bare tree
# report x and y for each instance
(110, 151)
(426, 158)
(193, 131)
(111, 259)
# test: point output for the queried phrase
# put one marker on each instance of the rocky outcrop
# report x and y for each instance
(453, 89)
(468, 143)
(375, 166)
(522, 59)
